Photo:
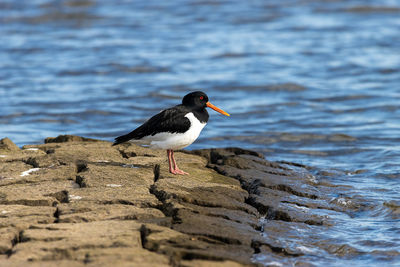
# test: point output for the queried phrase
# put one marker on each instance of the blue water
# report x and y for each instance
(309, 81)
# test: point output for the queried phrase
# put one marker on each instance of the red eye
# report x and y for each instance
(201, 97)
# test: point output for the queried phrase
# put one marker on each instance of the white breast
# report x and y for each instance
(177, 140)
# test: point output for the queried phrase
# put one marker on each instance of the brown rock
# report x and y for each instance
(180, 246)
(234, 233)
(226, 196)
(102, 242)
(68, 138)
(18, 172)
(33, 194)
(7, 144)
(84, 211)
(23, 216)
(8, 237)
(81, 201)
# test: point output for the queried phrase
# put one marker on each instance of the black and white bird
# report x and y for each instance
(174, 128)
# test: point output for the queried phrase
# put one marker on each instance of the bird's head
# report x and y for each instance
(199, 100)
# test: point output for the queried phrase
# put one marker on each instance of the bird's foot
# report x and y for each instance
(178, 171)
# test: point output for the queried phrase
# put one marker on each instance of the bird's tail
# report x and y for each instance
(123, 138)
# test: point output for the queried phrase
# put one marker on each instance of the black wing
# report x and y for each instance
(171, 120)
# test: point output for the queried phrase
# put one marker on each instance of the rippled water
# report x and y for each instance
(309, 81)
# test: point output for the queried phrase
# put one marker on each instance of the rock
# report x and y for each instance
(226, 196)
(68, 138)
(12, 171)
(7, 155)
(7, 144)
(235, 233)
(234, 215)
(109, 184)
(182, 246)
(101, 242)
(21, 173)
(75, 201)
(34, 194)
(218, 155)
(8, 237)
(22, 216)
(85, 211)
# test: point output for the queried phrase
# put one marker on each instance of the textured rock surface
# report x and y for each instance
(76, 201)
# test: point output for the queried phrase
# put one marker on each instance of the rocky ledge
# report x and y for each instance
(75, 201)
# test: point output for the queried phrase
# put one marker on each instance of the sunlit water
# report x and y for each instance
(313, 82)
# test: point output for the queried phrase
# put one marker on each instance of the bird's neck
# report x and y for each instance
(201, 115)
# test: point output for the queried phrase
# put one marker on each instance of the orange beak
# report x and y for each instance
(216, 109)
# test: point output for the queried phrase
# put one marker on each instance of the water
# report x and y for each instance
(309, 81)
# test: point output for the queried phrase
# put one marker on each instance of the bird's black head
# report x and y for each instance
(199, 101)
(196, 99)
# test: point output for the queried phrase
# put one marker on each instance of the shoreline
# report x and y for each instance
(79, 201)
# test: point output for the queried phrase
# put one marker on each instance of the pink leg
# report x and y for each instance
(176, 169)
(171, 168)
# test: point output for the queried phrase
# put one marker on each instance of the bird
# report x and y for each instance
(174, 128)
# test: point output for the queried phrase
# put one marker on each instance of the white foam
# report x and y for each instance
(113, 185)
(312, 178)
(273, 263)
(306, 249)
(32, 149)
(343, 201)
(302, 207)
(298, 206)
(25, 173)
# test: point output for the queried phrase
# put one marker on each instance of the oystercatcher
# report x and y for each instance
(174, 128)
